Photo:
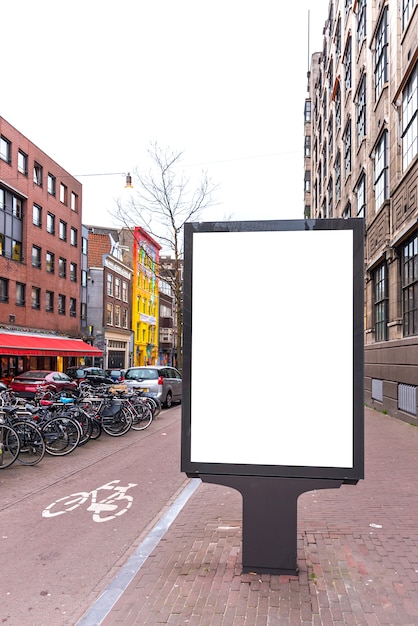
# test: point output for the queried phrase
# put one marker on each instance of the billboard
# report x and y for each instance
(273, 349)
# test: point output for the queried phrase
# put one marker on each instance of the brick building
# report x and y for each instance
(361, 160)
(40, 258)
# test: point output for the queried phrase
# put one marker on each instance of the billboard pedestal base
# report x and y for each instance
(269, 518)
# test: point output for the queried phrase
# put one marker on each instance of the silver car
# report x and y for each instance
(161, 382)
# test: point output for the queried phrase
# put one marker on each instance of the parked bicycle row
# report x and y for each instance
(57, 423)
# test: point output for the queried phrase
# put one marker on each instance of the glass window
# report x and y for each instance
(124, 291)
(36, 256)
(410, 287)
(125, 318)
(63, 193)
(361, 111)
(347, 65)
(37, 215)
(74, 201)
(16, 250)
(5, 149)
(410, 120)
(22, 162)
(61, 304)
(381, 60)
(84, 244)
(73, 307)
(36, 298)
(4, 290)
(73, 236)
(361, 197)
(109, 314)
(73, 272)
(37, 174)
(381, 175)
(49, 301)
(337, 168)
(117, 287)
(361, 22)
(380, 303)
(117, 315)
(407, 8)
(83, 278)
(50, 262)
(50, 223)
(62, 267)
(51, 184)
(109, 285)
(347, 148)
(20, 294)
(63, 231)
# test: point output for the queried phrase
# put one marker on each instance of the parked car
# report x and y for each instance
(28, 383)
(117, 375)
(93, 375)
(161, 382)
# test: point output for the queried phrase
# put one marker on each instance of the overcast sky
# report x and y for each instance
(93, 83)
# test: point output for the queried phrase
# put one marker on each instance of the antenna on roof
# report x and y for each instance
(309, 33)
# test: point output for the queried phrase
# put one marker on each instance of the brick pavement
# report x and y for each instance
(357, 554)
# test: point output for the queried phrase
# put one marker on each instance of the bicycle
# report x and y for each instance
(32, 445)
(9, 445)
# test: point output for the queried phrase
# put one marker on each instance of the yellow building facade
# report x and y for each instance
(145, 303)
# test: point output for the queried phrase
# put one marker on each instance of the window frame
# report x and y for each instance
(409, 286)
(409, 133)
(380, 302)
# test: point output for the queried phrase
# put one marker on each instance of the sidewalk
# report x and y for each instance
(357, 553)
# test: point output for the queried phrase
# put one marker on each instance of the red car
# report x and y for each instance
(27, 384)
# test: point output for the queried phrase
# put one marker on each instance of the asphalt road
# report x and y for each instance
(58, 553)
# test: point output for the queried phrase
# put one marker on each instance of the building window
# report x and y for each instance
(16, 207)
(83, 278)
(117, 288)
(407, 8)
(109, 314)
(74, 201)
(109, 285)
(331, 137)
(361, 111)
(16, 250)
(307, 111)
(338, 37)
(50, 262)
(125, 318)
(361, 197)
(20, 294)
(337, 101)
(347, 65)
(83, 311)
(36, 256)
(410, 287)
(61, 304)
(73, 307)
(62, 267)
(361, 22)
(5, 150)
(337, 168)
(330, 199)
(73, 236)
(63, 231)
(49, 301)
(117, 316)
(63, 193)
(22, 162)
(84, 245)
(381, 60)
(307, 146)
(347, 211)
(50, 223)
(347, 7)
(347, 148)
(73, 272)
(37, 215)
(4, 290)
(381, 186)
(410, 120)
(37, 174)
(36, 298)
(380, 303)
(51, 184)
(307, 181)
(125, 291)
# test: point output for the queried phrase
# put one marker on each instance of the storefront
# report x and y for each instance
(20, 352)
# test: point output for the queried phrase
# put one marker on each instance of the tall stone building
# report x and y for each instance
(361, 160)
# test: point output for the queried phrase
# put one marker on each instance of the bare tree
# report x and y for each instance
(164, 200)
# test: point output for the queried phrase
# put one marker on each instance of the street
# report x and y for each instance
(58, 553)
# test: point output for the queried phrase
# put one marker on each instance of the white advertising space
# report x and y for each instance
(272, 348)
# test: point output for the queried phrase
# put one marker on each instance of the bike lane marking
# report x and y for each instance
(104, 604)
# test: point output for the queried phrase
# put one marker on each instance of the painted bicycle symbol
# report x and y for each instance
(102, 508)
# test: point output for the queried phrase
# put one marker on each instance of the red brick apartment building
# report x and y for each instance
(40, 259)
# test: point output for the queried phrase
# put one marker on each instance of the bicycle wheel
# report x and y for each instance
(9, 446)
(96, 428)
(32, 445)
(85, 423)
(61, 435)
(119, 424)
(142, 416)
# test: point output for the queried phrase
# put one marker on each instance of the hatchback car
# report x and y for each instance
(117, 375)
(27, 384)
(163, 383)
(93, 375)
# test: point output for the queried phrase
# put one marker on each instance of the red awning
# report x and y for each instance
(44, 345)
